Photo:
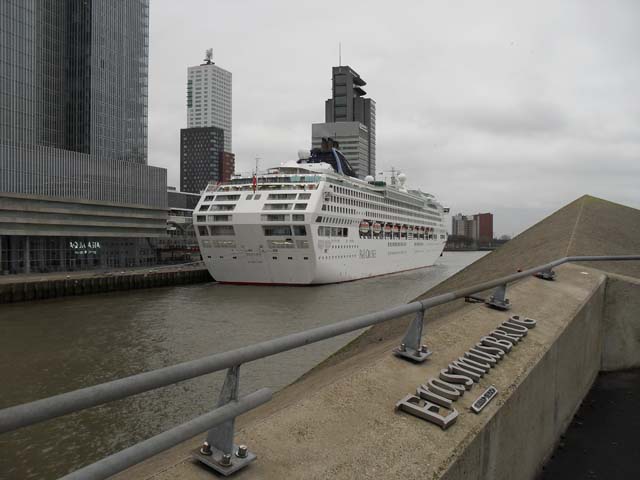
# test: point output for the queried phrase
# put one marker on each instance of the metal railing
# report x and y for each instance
(219, 451)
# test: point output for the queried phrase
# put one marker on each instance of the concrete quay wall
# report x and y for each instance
(59, 286)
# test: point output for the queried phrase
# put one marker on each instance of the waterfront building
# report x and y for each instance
(75, 188)
(350, 119)
(206, 143)
(476, 228)
(201, 158)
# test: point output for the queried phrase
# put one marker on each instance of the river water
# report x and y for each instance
(53, 346)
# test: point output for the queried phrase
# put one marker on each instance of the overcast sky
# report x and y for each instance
(516, 108)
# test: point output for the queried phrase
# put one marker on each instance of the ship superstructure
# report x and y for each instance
(311, 222)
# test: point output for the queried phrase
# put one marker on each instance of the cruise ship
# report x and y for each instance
(312, 221)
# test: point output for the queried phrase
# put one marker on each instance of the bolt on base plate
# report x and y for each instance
(215, 460)
(412, 354)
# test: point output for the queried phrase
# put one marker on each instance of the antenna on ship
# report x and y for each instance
(339, 54)
(257, 160)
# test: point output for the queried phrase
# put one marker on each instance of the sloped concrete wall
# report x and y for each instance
(521, 436)
(621, 324)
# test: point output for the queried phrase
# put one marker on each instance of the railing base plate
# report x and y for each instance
(546, 275)
(417, 356)
(213, 460)
(498, 304)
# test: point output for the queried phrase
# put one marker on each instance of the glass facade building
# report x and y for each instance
(73, 135)
(73, 76)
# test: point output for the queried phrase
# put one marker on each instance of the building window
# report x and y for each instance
(340, 111)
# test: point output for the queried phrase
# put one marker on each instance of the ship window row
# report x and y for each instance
(216, 230)
(375, 215)
(284, 206)
(282, 218)
(379, 198)
(342, 232)
(287, 243)
(214, 218)
(221, 208)
(342, 221)
(254, 197)
(414, 211)
(284, 230)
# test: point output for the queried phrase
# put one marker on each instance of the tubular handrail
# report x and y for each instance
(19, 416)
(137, 453)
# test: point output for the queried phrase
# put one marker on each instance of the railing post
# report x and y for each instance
(410, 347)
(498, 298)
(218, 451)
(548, 274)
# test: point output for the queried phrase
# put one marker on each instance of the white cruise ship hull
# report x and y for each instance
(324, 261)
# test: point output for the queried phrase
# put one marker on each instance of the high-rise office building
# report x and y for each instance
(209, 98)
(350, 119)
(73, 136)
(205, 145)
(201, 154)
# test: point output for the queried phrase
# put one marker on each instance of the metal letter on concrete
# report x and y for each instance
(427, 411)
(525, 322)
(498, 298)
(219, 452)
(463, 380)
(425, 393)
(448, 390)
(410, 347)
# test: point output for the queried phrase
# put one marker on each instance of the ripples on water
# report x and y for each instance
(54, 346)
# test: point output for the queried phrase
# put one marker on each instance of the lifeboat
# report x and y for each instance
(364, 227)
(403, 230)
(387, 228)
(377, 228)
(396, 229)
